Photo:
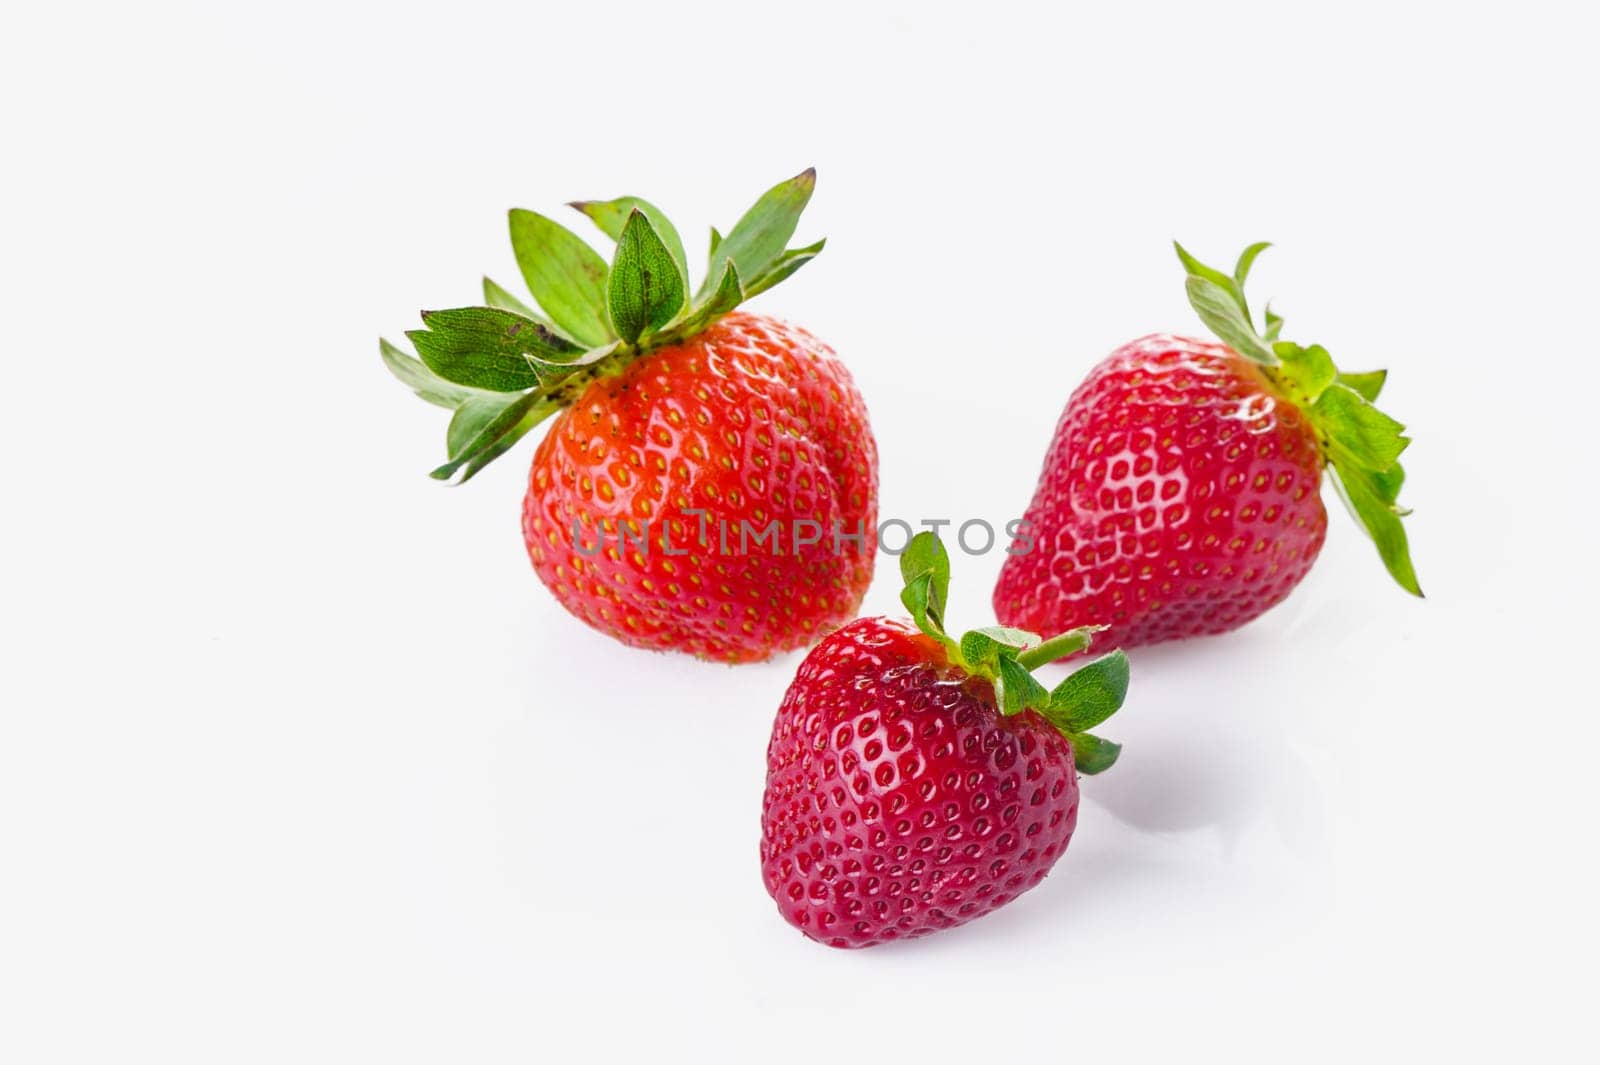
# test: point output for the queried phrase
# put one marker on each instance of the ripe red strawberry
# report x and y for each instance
(915, 782)
(750, 421)
(1180, 495)
(710, 482)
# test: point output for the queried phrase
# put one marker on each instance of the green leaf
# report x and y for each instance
(1363, 492)
(728, 295)
(1385, 484)
(1222, 314)
(1247, 259)
(1361, 431)
(485, 347)
(1366, 385)
(1092, 755)
(484, 428)
(925, 568)
(1015, 689)
(565, 275)
(711, 256)
(787, 264)
(473, 415)
(759, 238)
(1309, 370)
(647, 289)
(918, 598)
(612, 218)
(495, 296)
(1274, 325)
(1219, 301)
(1195, 268)
(926, 554)
(421, 380)
(1091, 694)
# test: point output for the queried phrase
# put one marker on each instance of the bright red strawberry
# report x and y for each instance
(710, 482)
(750, 421)
(1180, 495)
(915, 782)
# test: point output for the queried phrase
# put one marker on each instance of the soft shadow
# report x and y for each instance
(1204, 743)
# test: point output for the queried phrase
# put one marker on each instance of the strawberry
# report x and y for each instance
(1180, 495)
(916, 782)
(709, 483)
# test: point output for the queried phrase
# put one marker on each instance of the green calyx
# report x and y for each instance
(1362, 444)
(504, 367)
(1007, 657)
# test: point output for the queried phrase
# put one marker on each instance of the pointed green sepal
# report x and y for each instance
(496, 296)
(504, 367)
(917, 596)
(1091, 754)
(1360, 430)
(1241, 271)
(1090, 695)
(1363, 492)
(786, 264)
(1223, 316)
(1274, 324)
(728, 294)
(711, 255)
(646, 288)
(484, 422)
(1195, 268)
(565, 275)
(1306, 372)
(1362, 444)
(428, 385)
(1016, 690)
(487, 348)
(611, 216)
(484, 428)
(925, 568)
(1219, 301)
(758, 239)
(1366, 385)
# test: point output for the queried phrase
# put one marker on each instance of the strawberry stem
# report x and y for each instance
(1006, 658)
(1057, 647)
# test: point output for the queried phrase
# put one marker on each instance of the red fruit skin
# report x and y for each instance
(898, 800)
(1179, 498)
(753, 419)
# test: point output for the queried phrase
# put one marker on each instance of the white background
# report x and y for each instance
(298, 761)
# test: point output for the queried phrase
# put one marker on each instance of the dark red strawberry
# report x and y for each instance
(1181, 493)
(916, 782)
(710, 482)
